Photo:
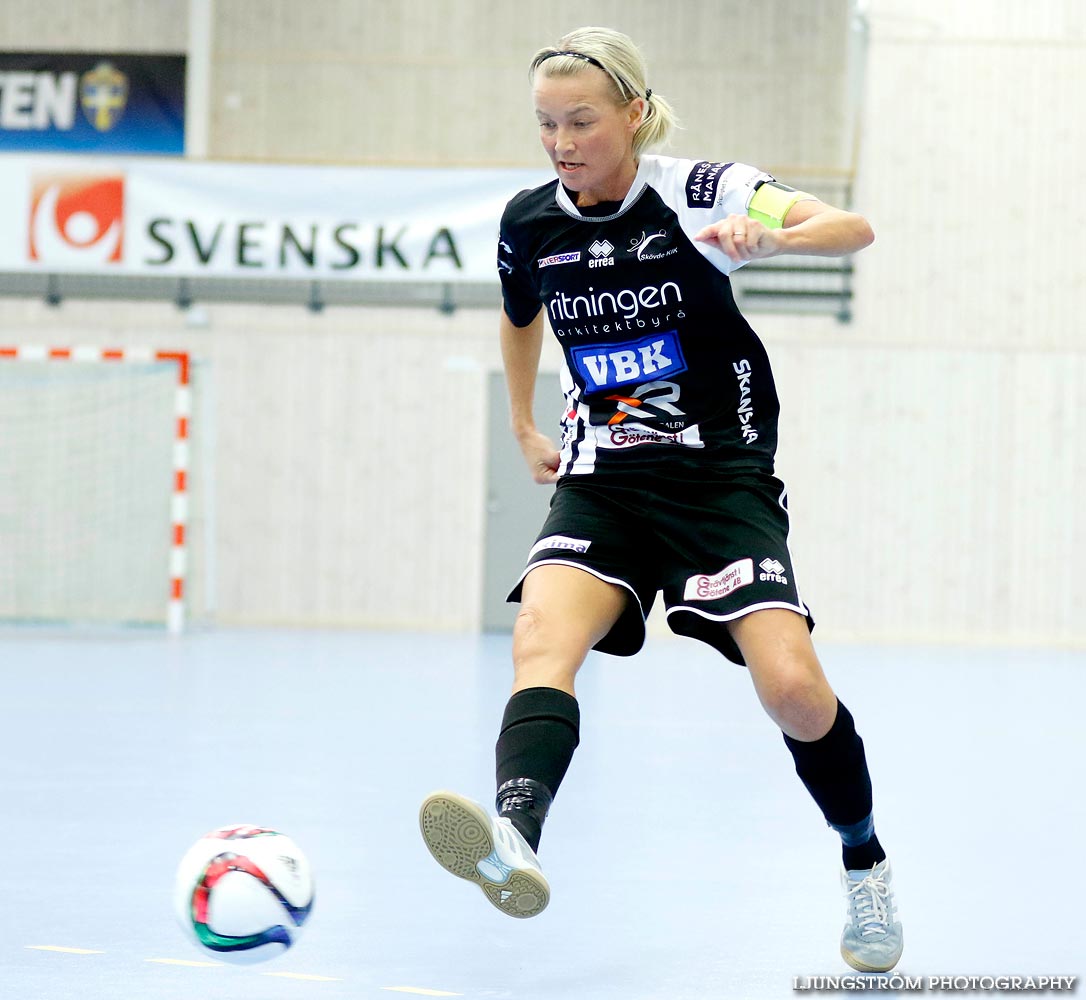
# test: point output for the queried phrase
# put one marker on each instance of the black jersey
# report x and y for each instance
(662, 372)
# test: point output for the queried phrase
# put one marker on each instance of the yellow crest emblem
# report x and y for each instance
(103, 94)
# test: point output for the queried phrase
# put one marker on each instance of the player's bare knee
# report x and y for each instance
(540, 642)
(529, 632)
(800, 702)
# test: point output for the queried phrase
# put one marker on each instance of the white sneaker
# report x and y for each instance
(872, 940)
(489, 851)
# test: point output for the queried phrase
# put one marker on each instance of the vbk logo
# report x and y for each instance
(608, 366)
(77, 220)
(601, 251)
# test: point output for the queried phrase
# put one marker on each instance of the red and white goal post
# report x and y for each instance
(94, 484)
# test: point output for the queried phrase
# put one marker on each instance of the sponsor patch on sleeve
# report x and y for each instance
(560, 543)
(701, 185)
(711, 588)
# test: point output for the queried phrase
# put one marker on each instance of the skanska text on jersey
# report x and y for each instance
(623, 309)
(743, 372)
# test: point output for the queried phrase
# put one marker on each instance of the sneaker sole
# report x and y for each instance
(457, 833)
(859, 966)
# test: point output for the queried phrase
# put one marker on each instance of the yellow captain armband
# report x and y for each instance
(771, 202)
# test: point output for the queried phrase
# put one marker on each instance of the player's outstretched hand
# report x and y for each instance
(541, 456)
(741, 238)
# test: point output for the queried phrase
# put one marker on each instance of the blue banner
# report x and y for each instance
(113, 103)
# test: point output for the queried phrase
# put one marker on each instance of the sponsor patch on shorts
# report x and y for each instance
(561, 543)
(711, 588)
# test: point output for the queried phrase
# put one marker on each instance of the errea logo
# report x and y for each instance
(772, 571)
(601, 251)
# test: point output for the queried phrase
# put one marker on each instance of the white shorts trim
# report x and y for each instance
(781, 500)
(587, 569)
(740, 613)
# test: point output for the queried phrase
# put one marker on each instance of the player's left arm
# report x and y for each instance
(813, 227)
(806, 226)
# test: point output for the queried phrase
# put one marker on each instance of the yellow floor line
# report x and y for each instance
(66, 951)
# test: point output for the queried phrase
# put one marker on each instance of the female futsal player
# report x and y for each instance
(665, 474)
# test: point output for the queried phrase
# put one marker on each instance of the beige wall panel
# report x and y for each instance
(933, 491)
(80, 25)
(365, 495)
(974, 175)
(981, 21)
(444, 82)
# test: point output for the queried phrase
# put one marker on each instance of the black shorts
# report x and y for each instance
(718, 550)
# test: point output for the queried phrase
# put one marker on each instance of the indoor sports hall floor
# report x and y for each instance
(685, 858)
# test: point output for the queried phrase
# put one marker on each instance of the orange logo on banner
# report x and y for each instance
(77, 219)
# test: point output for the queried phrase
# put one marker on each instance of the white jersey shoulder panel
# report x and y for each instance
(701, 192)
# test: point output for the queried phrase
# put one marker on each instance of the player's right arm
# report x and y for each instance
(521, 347)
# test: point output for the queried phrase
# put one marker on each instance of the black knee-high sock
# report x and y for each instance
(540, 730)
(834, 771)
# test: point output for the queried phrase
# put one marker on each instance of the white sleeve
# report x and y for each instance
(701, 192)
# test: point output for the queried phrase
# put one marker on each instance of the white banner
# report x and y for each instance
(175, 218)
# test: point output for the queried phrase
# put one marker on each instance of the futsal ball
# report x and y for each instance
(243, 893)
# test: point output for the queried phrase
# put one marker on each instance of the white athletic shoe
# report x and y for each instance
(489, 851)
(872, 939)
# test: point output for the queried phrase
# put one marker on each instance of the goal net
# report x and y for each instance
(94, 485)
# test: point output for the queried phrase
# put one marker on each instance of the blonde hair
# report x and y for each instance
(618, 57)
